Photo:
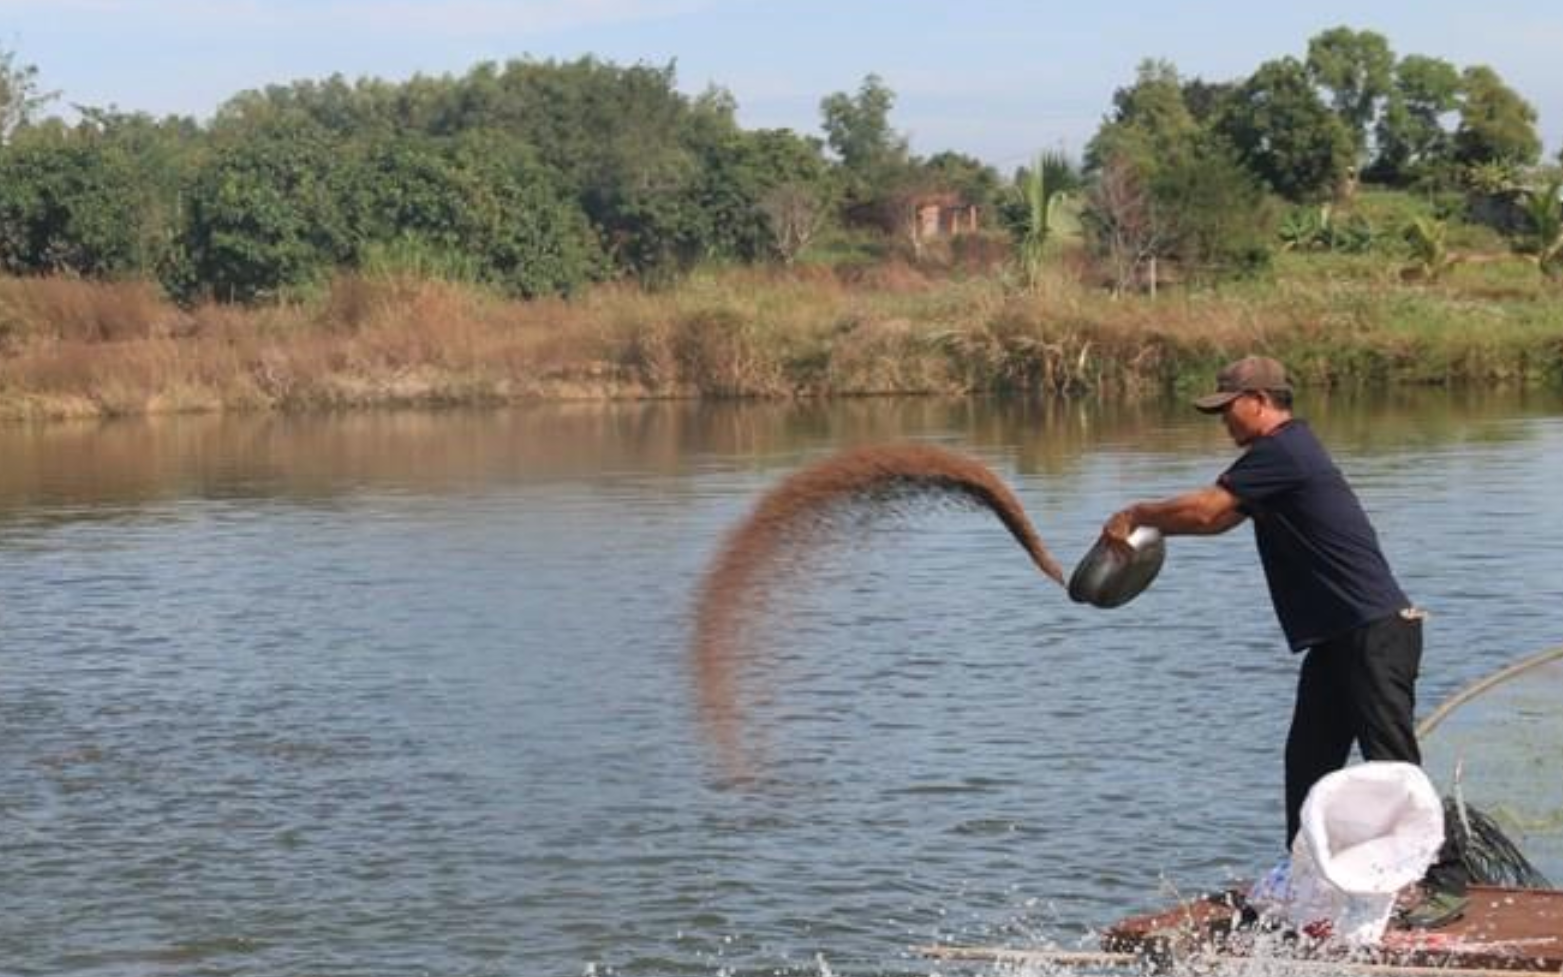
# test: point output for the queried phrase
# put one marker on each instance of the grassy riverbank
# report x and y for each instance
(75, 348)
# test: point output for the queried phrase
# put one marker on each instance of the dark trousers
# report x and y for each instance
(1357, 688)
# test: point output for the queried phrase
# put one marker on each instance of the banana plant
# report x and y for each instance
(1427, 239)
(1301, 229)
(1544, 209)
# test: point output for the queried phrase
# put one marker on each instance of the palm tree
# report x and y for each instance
(1051, 178)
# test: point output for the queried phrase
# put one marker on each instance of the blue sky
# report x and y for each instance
(999, 79)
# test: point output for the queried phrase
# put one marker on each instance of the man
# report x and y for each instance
(1332, 588)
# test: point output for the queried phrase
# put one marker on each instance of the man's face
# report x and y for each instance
(1241, 416)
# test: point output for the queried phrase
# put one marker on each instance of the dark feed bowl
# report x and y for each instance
(1108, 578)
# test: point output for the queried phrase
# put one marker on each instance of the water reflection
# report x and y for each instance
(141, 461)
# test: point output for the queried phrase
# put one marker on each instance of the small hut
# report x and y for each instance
(943, 215)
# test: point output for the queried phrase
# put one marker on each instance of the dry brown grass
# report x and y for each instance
(72, 310)
(70, 347)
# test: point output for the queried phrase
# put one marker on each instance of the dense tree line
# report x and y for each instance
(1197, 171)
(533, 176)
(537, 177)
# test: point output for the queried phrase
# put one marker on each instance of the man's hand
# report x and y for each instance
(1117, 529)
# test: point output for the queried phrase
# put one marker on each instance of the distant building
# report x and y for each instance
(939, 215)
(919, 218)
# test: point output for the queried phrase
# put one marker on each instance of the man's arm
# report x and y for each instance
(1202, 512)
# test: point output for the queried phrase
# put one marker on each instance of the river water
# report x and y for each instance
(409, 693)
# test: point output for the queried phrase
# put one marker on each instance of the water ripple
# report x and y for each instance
(311, 711)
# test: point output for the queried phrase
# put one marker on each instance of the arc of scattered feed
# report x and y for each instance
(747, 566)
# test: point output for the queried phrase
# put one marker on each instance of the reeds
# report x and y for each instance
(71, 347)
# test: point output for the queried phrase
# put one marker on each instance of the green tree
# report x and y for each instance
(1284, 134)
(335, 105)
(1496, 124)
(760, 194)
(527, 232)
(95, 200)
(1217, 218)
(975, 181)
(1411, 138)
(1356, 68)
(20, 96)
(857, 129)
(1123, 225)
(1150, 121)
(1169, 186)
(265, 214)
(626, 144)
(624, 139)
(1204, 99)
(479, 203)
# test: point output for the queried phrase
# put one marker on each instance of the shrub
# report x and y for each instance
(72, 201)
(265, 216)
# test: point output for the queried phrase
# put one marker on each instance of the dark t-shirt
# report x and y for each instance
(1322, 560)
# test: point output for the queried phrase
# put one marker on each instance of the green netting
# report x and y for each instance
(1500, 751)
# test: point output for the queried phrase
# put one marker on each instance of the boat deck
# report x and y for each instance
(1503, 929)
